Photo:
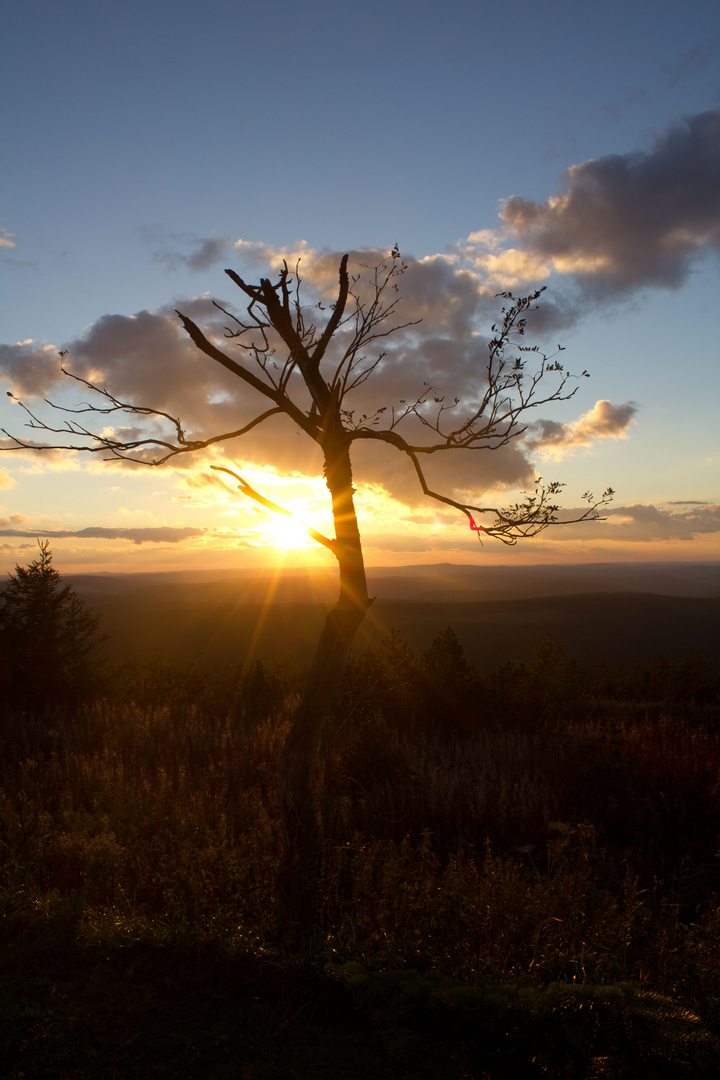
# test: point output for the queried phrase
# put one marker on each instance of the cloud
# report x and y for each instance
(513, 267)
(204, 251)
(646, 522)
(6, 239)
(156, 535)
(148, 360)
(400, 542)
(30, 366)
(603, 421)
(6, 481)
(395, 542)
(688, 63)
(620, 223)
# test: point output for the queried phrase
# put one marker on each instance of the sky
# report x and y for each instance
(150, 146)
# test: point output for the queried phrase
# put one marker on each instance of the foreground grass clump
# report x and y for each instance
(519, 876)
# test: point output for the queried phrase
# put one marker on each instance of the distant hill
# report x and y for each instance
(448, 581)
(622, 613)
(443, 581)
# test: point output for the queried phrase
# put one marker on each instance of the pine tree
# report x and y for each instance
(49, 638)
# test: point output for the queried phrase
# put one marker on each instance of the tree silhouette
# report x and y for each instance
(306, 363)
(50, 640)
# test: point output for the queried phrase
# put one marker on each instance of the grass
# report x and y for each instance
(520, 875)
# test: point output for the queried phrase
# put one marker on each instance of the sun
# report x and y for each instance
(286, 533)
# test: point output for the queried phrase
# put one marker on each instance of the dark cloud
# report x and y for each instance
(207, 253)
(627, 221)
(30, 367)
(154, 535)
(143, 359)
(172, 248)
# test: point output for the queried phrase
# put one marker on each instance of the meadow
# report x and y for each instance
(520, 873)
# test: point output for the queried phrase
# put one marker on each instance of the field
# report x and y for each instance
(520, 873)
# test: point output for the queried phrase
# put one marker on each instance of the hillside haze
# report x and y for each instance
(620, 613)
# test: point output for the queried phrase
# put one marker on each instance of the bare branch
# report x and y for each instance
(276, 395)
(520, 521)
(334, 321)
(120, 449)
(251, 493)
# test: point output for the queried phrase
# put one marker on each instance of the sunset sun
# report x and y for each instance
(286, 533)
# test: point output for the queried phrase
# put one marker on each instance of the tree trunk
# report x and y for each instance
(298, 880)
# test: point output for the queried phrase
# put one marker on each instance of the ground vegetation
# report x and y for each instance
(519, 875)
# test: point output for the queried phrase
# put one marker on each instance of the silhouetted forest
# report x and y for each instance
(520, 872)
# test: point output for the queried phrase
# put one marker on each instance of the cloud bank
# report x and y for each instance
(147, 359)
(155, 535)
(637, 523)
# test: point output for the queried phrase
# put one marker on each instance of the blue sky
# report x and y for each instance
(143, 141)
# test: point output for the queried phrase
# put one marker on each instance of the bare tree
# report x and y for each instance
(308, 372)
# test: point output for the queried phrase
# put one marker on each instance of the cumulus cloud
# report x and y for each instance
(603, 421)
(512, 267)
(440, 351)
(146, 359)
(155, 535)
(30, 367)
(621, 222)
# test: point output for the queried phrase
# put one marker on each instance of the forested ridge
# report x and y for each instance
(213, 623)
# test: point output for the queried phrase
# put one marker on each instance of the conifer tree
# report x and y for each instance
(49, 638)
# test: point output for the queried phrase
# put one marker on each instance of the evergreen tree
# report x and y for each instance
(449, 684)
(49, 638)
